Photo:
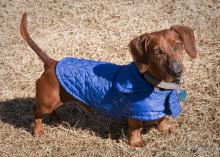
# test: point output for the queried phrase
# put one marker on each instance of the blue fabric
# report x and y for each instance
(118, 91)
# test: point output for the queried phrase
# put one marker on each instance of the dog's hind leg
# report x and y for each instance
(47, 99)
(38, 128)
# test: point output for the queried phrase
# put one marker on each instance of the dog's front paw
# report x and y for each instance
(166, 126)
(136, 143)
(38, 131)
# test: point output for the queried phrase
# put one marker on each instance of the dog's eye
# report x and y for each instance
(157, 50)
(178, 46)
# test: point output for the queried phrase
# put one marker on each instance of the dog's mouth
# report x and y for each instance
(175, 76)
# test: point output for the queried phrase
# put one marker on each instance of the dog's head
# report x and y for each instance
(162, 52)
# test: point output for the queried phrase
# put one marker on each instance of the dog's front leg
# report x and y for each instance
(165, 125)
(135, 130)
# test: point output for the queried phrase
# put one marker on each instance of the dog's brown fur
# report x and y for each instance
(158, 53)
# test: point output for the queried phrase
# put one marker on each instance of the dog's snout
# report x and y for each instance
(175, 68)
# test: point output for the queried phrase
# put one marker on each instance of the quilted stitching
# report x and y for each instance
(117, 91)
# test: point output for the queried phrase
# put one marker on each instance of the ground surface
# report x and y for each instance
(101, 30)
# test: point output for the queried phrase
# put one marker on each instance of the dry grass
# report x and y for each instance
(101, 30)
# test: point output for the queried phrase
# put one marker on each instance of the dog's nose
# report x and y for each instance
(175, 68)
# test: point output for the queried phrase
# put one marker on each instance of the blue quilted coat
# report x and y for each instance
(118, 91)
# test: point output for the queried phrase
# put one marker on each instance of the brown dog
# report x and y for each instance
(159, 53)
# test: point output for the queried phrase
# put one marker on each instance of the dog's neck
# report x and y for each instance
(159, 81)
(158, 76)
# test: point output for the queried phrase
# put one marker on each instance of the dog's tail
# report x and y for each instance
(24, 33)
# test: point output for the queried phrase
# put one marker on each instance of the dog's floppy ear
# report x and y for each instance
(138, 48)
(187, 35)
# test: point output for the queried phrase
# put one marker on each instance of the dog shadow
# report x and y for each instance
(18, 112)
